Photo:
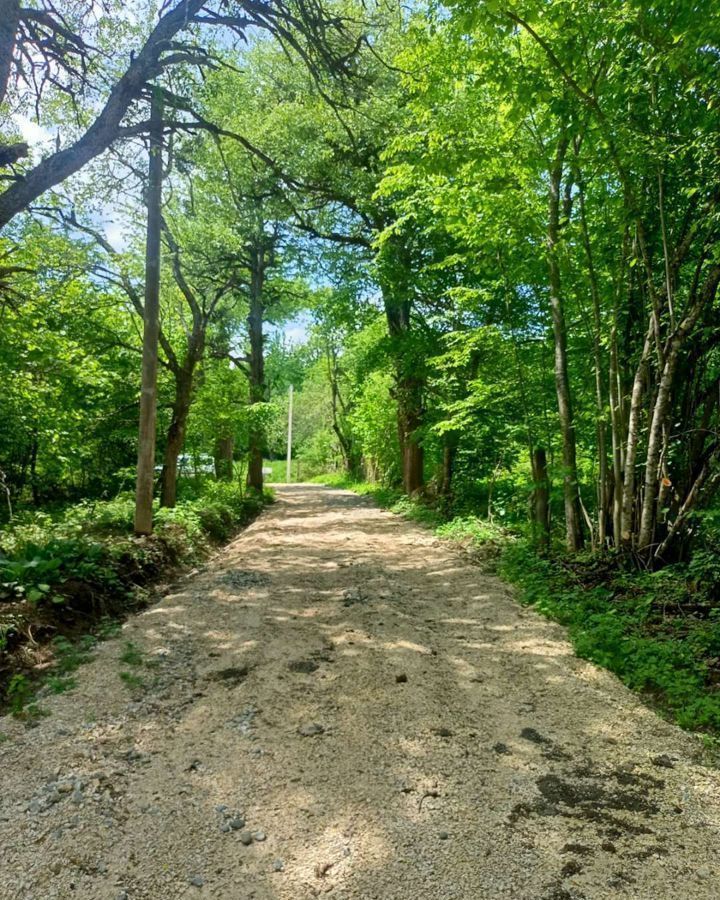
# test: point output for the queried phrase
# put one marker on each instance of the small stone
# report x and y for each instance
(196, 880)
(443, 835)
(310, 729)
(401, 678)
(608, 847)
(278, 865)
(663, 761)
(64, 787)
(246, 837)
(236, 823)
(259, 836)
(122, 895)
(703, 872)
(501, 748)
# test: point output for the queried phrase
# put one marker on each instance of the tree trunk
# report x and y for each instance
(9, 19)
(410, 415)
(662, 409)
(616, 425)
(408, 393)
(256, 367)
(603, 501)
(148, 396)
(633, 437)
(224, 447)
(573, 520)
(176, 436)
(541, 498)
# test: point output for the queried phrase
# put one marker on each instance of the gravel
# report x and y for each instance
(511, 770)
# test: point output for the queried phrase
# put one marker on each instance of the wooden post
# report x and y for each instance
(148, 395)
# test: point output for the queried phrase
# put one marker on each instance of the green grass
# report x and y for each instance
(131, 655)
(132, 682)
(658, 632)
(279, 471)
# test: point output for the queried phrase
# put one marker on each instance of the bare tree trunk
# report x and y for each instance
(633, 437)
(617, 408)
(573, 520)
(662, 406)
(148, 396)
(256, 367)
(601, 420)
(176, 436)
(350, 461)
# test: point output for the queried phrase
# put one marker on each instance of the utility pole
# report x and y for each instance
(151, 317)
(288, 473)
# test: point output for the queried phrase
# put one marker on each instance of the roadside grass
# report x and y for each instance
(658, 632)
(279, 470)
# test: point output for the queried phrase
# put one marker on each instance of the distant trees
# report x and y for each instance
(504, 220)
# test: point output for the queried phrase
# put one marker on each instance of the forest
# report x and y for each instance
(481, 241)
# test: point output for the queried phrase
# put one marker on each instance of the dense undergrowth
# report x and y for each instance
(659, 632)
(66, 578)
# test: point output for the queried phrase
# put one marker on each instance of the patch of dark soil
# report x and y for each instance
(584, 793)
(549, 749)
(561, 893)
(571, 868)
(305, 666)
(529, 734)
(591, 800)
(242, 579)
(578, 849)
(232, 676)
(622, 776)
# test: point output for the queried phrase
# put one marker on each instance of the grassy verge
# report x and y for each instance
(658, 632)
(65, 580)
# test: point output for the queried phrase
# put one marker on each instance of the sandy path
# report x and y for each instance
(465, 753)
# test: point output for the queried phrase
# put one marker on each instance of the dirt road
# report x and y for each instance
(339, 704)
